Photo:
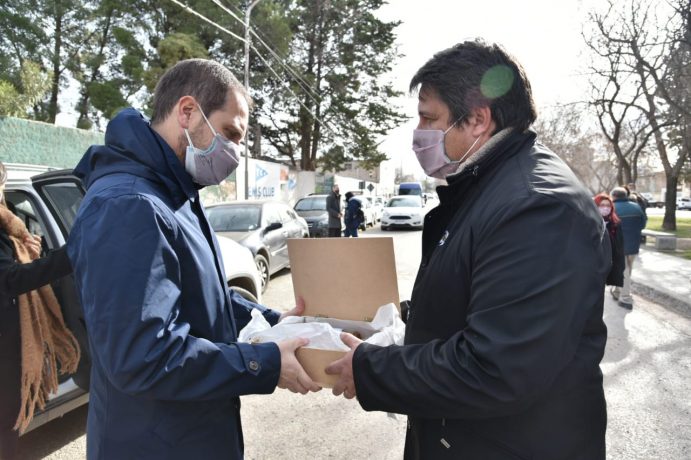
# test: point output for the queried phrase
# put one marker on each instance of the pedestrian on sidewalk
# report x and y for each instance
(616, 273)
(333, 207)
(633, 221)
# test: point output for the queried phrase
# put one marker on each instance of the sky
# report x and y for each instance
(544, 35)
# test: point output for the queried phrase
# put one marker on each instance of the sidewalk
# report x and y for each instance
(663, 278)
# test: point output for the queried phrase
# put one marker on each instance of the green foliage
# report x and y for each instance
(116, 50)
(34, 84)
(341, 51)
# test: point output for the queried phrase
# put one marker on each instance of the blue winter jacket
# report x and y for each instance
(633, 220)
(166, 371)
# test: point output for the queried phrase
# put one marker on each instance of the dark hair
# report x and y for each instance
(207, 81)
(619, 193)
(3, 174)
(476, 74)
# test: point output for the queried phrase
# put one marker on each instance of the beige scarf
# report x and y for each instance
(45, 340)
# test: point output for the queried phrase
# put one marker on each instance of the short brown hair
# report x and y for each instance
(205, 80)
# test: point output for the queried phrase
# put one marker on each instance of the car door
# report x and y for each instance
(275, 237)
(61, 195)
(290, 223)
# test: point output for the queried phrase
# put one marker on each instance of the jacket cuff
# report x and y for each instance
(262, 365)
(364, 383)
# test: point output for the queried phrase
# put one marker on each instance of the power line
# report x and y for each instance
(190, 10)
(281, 60)
(204, 18)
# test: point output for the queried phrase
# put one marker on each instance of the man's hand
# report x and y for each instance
(33, 245)
(297, 311)
(344, 367)
(293, 376)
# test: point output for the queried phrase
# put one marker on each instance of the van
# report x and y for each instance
(410, 188)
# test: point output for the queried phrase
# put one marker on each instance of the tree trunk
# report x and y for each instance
(83, 106)
(55, 87)
(669, 222)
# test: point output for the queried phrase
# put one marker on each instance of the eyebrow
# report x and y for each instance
(424, 114)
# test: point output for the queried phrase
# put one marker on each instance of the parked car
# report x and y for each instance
(47, 201)
(403, 212)
(377, 208)
(312, 208)
(683, 203)
(368, 211)
(261, 226)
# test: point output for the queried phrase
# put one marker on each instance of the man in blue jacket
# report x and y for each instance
(633, 221)
(167, 371)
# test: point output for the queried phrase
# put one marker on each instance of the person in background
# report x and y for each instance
(504, 332)
(633, 221)
(167, 370)
(636, 197)
(333, 207)
(353, 215)
(616, 236)
(29, 356)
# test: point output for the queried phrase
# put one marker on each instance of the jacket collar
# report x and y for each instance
(498, 149)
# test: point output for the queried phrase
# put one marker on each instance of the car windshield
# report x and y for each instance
(311, 204)
(234, 218)
(405, 202)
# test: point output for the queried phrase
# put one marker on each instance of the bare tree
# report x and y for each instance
(565, 131)
(641, 54)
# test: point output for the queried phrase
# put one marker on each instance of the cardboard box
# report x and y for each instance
(343, 278)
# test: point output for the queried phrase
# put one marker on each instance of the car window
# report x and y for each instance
(311, 204)
(64, 199)
(234, 218)
(284, 213)
(403, 202)
(271, 215)
(22, 206)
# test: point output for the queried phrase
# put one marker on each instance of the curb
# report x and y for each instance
(681, 306)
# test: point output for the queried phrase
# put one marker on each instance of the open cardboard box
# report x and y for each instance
(340, 278)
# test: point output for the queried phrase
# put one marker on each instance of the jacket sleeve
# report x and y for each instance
(538, 275)
(242, 309)
(129, 278)
(17, 278)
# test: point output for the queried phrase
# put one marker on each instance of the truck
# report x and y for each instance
(410, 188)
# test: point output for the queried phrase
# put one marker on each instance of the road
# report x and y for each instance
(647, 368)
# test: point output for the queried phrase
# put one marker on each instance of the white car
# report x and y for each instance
(368, 211)
(403, 211)
(47, 200)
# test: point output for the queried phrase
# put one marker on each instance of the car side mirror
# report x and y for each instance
(273, 226)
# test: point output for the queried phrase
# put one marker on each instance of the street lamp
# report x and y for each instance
(247, 88)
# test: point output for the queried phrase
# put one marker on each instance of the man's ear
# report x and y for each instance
(481, 121)
(183, 111)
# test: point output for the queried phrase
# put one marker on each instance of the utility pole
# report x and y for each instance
(248, 39)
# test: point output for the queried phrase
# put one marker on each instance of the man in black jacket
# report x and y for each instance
(504, 333)
(333, 208)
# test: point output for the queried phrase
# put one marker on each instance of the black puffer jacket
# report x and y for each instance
(505, 331)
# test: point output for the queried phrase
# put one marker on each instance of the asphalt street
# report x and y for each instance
(647, 369)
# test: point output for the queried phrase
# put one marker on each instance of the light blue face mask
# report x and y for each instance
(213, 164)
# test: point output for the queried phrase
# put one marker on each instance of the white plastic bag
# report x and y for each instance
(324, 333)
